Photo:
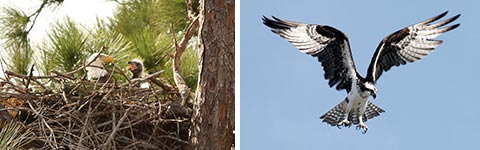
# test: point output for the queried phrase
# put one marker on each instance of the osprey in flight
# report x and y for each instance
(332, 49)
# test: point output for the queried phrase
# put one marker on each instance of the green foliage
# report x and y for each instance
(12, 138)
(153, 48)
(14, 25)
(190, 63)
(172, 12)
(159, 15)
(67, 42)
(14, 32)
(103, 35)
(138, 29)
(148, 26)
(43, 58)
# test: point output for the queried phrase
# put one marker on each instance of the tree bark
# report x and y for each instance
(213, 119)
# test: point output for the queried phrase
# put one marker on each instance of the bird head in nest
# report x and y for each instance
(101, 59)
(136, 67)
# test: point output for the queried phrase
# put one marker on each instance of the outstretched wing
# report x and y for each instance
(328, 44)
(408, 45)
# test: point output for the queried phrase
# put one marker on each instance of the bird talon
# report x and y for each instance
(364, 131)
(362, 126)
(344, 123)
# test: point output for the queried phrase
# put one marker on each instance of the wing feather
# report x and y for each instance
(329, 45)
(409, 44)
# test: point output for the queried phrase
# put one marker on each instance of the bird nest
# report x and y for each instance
(64, 112)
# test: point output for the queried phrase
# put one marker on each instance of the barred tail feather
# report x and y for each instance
(336, 114)
(372, 111)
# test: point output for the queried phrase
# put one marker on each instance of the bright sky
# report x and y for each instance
(84, 12)
(430, 104)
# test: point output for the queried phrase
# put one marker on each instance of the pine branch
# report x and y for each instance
(183, 89)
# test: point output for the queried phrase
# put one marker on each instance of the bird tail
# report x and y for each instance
(336, 114)
(372, 111)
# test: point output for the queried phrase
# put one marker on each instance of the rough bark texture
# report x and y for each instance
(213, 119)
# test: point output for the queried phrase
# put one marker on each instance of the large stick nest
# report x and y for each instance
(69, 113)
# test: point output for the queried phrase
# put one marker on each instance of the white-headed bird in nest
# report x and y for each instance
(96, 70)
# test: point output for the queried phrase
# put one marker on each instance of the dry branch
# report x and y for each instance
(65, 112)
(183, 89)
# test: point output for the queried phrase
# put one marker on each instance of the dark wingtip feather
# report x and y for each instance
(453, 27)
(452, 19)
(435, 18)
(443, 14)
(455, 17)
(275, 23)
(277, 19)
(269, 22)
(445, 22)
(266, 20)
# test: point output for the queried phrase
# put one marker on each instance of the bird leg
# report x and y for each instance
(362, 125)
(344, 123)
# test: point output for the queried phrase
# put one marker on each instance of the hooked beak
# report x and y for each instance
(374, 96)
(131, 67)
(107, 59)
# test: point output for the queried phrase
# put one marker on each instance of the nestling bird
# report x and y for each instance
(136, 67)
(332, 49)
(96, 70)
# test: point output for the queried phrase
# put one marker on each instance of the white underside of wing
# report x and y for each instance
(303, 40)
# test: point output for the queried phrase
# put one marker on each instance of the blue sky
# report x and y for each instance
(430, 104)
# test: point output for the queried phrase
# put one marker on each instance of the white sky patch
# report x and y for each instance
(83, 12)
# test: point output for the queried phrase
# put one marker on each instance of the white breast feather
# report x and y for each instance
(94, 72)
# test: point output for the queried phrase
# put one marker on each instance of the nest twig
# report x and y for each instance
(65, 112)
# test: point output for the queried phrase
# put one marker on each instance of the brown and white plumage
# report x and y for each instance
(332, 49)
(409, 44)
(136, 67)
(96, 70)
(324, 42)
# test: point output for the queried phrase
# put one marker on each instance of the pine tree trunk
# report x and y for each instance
(213, 118)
